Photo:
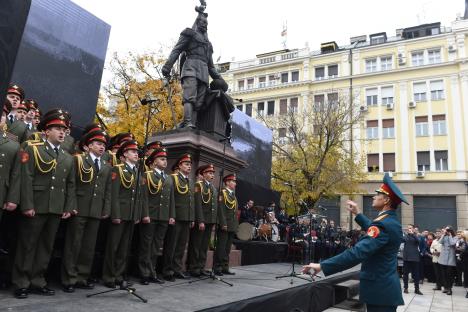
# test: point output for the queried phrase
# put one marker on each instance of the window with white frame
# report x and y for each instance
(248, 110)
(439, 125)
(262, 81)
(240, 85)
(424, 161)
(250, 83)
(434, 56)
(319, 73)
(372, 130)
(417, 58)
(371, 65)
(332, 71)
(319, 102)
(295, 76)
(422, 126)
(441, 160)
(386, 63)
(387, 95)
(293, 104)
(261, 109)
(271, 80)
(419, 92)
(284, 77)
(240, 107)
(437, 90)
(371, 97)
(388, 128)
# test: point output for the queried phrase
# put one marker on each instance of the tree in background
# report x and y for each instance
(135, 77)
(313, 151)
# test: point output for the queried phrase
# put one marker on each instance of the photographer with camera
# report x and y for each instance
(447, 258)
(411, 259)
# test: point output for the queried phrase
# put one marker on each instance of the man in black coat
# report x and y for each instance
(411, 259)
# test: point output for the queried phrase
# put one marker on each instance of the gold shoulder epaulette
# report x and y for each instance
(380, 218)
(35, 143)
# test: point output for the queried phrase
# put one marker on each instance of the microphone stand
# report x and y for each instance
(123, 286)
(212, 275)
(293, 273)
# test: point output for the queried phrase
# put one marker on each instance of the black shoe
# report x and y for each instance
(449, 292)
(466, 296)
(110, 284)
(437, 288)
(92, 280)
(405, 290)
(84, 285)
(417, 292)
(205, 273)
(227, 272)
(218, 273)
(68, 288)
(169, 278)
(445, 291)
(195, 274)
(43, 291)
(156, 280)
(180, 275)
(144, 281)
(21, 293)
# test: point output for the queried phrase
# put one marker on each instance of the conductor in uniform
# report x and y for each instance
(377, 251)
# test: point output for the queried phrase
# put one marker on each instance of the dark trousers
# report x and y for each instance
(438, 274)
(78, 254)
(117, 249)
(175, 247)
(150, 246)
(465, 269)
(413, 267)
(198, 248)
(223, 250)
(35, 244)
(160, 231)
(447, 276)
(459, 273)
(376, 308)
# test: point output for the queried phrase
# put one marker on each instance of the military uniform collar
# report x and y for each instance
(52, 145)
(159, 171)
(130, 166)
(93, 157)
(183, 175)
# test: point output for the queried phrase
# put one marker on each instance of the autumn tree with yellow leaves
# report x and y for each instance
(135, 77)
(314, 152)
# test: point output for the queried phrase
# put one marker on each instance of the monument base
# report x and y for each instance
(204, 148)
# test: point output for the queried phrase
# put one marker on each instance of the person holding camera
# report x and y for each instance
(447, 258)
(411, 259)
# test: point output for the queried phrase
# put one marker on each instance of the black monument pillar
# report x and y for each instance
(13, 16)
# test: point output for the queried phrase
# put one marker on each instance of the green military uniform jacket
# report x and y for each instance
(47, 179)
(228, 210)
(69, 144)
(206, 203)
(158, 194)
(183, 194)
(124, 205)
(9, 171)
(93, 190)
(18, 128)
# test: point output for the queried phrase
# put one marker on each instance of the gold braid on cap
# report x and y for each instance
(230, 204)
(152, 185)
(41, 163)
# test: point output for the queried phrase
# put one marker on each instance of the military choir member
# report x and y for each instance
(15, 94)
(158, 213)
(47, 196)
(93, 196)
(125, 212)
(227, 225)
(206, 213)
(185, 215)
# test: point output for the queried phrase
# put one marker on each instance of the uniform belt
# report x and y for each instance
(197, 57)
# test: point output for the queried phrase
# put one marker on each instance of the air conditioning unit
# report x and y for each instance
(412, 104)
(389, 106)
(420, 174)
(452, 49)
(363, 108)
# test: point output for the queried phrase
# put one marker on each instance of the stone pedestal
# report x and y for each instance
(203, 147)
(213, 121)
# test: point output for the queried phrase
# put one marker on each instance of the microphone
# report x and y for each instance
(289, 184)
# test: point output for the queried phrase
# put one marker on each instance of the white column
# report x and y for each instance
(405, 156)
(460, 138)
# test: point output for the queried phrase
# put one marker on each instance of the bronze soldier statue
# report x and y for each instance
(196, 66)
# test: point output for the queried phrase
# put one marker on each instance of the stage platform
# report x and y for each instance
(254, 286)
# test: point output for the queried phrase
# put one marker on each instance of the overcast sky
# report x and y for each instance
(241, 29)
